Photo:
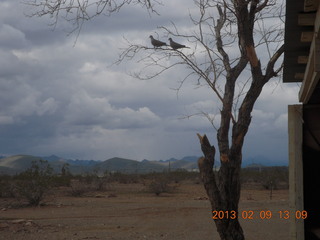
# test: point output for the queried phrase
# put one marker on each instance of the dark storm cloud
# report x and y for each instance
(68, 99)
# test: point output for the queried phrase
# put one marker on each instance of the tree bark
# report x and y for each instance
(225, 195)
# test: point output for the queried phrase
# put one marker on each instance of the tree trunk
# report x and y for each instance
(230, 230)
(224, 196)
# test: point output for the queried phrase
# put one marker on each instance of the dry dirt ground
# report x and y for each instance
(127, 211)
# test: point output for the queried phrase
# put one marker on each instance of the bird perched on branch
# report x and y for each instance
(176, 45)
(156, 43)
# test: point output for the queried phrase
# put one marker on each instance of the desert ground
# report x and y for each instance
(128, 211)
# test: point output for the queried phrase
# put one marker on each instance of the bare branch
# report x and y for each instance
(220, 24)
(78, 11)
(210, 117)
(270, 72)
(263, 5)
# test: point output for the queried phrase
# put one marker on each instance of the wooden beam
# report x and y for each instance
(306, 19)
(317, 23)
(312, 73)
(307, 88)
(311, 5)
(311, 116)
(306, 36)
(303, 59)
(296, 202)
(309, 77)
(299, 76)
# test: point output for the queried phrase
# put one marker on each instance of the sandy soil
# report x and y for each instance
(127, 211)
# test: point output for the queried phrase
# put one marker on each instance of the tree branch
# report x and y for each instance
(76, 12)
(241, 127)
(220, 24)
(270, 72)
(205, 165)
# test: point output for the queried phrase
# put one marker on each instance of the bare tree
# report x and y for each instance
(235, 48)
(235, 52)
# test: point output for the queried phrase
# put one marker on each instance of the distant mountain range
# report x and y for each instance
(19, 163)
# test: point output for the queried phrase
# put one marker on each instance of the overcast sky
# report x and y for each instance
(68, 99)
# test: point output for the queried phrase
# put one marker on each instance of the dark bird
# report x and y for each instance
(156, 43)
(176, 45)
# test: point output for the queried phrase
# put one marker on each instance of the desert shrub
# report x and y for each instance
(6, 187)
(266, 177)
(269, 184)
(64, 178)
(274, 177)
(79, 188)
(175, 176)
(34, 183)
(125, 178)
(159, 185)
(100, 184)
(182, 175)
(61, 181)
(96, 183)
(88, 183)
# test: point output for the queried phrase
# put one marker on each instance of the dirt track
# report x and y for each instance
(131, 213)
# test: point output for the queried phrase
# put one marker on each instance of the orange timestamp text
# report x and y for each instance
(263, 214)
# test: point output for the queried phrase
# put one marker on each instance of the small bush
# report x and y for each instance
(266, 177)
(64, 178)
(79, 188)
(125, 178)
(88, 183)
(158, 186)
(6, 187)
(61, 181)
(34, 183)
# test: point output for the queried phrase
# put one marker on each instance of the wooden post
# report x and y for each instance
(295, 121)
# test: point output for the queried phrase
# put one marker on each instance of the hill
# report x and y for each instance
(117, 164)
(54, 158)
(18, 163)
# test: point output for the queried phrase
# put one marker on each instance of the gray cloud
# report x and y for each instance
(66, 99)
